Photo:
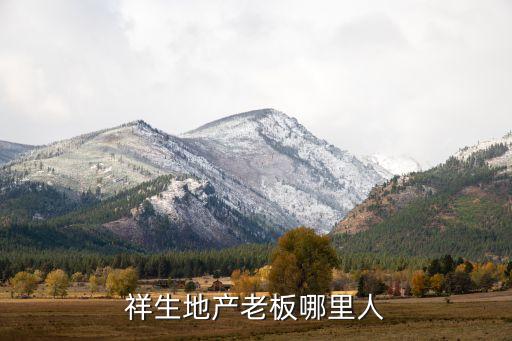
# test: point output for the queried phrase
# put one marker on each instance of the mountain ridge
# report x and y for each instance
(12, 150)
(261, 169)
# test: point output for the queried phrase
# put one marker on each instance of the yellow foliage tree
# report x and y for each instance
(437, 283)
(93, 284)
(489, 267)
(24, 283)
(244, 284)
(484, 276)
(285, 277)
(122, 282)
(418, 282)
(263, 274)
(302, 263)
(57, 283)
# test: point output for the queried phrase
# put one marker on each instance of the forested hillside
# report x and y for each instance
(36, 215)
(462, 207)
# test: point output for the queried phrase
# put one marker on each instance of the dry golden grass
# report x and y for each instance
(487, 317)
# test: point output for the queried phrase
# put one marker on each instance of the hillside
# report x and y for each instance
(156, 215)
(10, 151)
(462, 207)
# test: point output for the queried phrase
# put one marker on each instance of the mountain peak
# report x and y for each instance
(135, 123)
(265, 147)
(238, 119)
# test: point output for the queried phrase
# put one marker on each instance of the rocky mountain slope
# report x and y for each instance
(463, 206)
(9, 150)
(247, 177)
(314, 183)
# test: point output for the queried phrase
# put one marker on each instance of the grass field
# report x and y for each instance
(475, 316)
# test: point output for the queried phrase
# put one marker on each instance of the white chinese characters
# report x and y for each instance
(282, 307)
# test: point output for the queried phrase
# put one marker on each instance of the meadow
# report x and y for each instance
(473, 316)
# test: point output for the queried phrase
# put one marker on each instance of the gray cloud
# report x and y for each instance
(418, 78)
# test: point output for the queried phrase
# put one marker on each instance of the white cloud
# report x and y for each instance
(419, 78)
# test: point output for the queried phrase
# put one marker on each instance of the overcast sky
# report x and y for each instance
(419, 78)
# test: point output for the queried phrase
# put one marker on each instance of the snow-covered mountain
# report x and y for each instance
(9, 150)
(311, 181)
(260, 164)
(503, 160)
(389, 166)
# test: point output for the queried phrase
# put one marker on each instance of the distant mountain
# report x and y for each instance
(9, 151)
(393, 165)
(461, 207)
(244, 178)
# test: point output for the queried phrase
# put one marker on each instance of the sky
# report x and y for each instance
(416, 78)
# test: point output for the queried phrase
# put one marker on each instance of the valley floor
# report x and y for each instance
(477, 316)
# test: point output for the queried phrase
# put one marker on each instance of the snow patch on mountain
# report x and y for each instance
(504, 160)
(389, 166)
(165, 202)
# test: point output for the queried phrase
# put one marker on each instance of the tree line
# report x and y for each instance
(175, 264)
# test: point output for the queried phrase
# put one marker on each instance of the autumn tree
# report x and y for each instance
(262, 275)
(484, 276)
(24, 283)
(93, 284)
(302, 263)
(57, 283)
(244, 283)
(77, 277)
(419, 283)
(122, 281)
(437, 283)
